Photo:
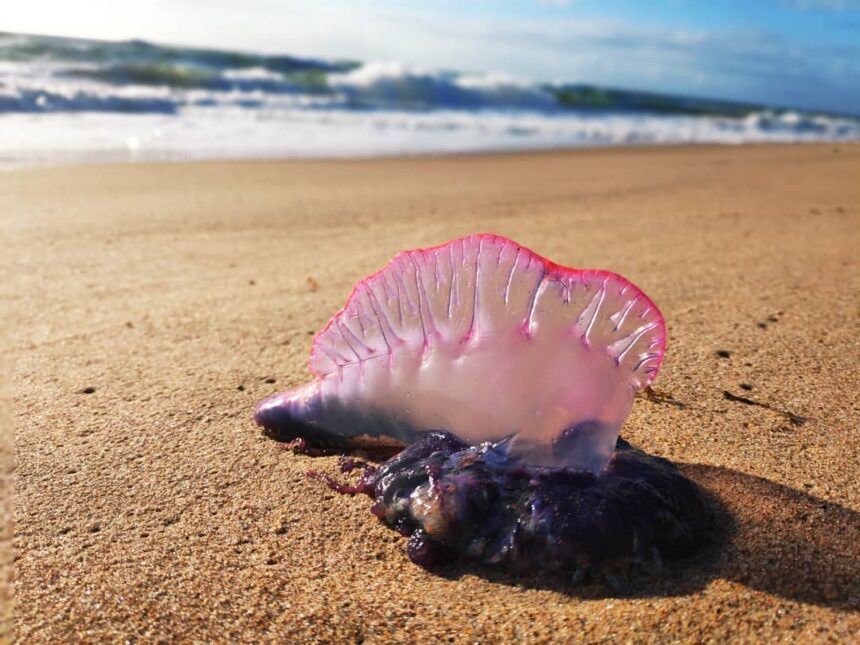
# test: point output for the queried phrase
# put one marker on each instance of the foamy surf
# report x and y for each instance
(77, 100)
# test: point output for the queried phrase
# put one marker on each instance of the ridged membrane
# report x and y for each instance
(485, 339)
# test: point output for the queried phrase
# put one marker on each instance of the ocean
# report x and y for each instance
(72, 100)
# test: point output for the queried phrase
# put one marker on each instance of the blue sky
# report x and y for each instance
(803, 53)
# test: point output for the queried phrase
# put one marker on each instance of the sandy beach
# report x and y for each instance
(147, 308)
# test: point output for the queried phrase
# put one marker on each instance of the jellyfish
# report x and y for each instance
(505, 378)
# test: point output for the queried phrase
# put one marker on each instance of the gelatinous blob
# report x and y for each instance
(459, 501)
(484, 339)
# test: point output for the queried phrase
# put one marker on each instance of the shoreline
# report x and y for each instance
(180, 294)
(76, 161)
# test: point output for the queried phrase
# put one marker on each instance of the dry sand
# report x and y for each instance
(152, 508)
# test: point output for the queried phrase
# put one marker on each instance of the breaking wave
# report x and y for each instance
(285, 106)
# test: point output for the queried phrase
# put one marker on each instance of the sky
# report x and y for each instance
(798, 53)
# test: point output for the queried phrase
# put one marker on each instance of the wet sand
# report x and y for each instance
(147, 308)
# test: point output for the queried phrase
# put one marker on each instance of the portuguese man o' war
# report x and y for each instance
(484, 339)
(507, 377)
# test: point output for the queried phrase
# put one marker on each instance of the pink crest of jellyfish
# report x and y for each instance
(487, 340)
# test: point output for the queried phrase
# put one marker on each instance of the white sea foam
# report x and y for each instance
(225, 132)
(383, 85)
(124, 102)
